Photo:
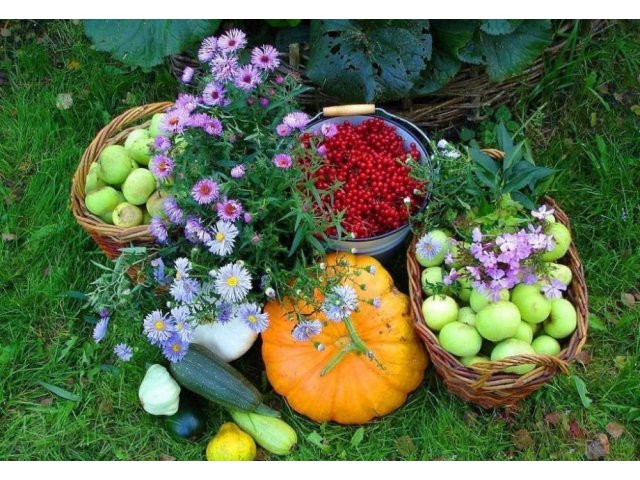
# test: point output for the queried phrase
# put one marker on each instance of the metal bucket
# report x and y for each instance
(386, 247)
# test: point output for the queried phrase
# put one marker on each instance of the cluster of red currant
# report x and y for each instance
(369, 160)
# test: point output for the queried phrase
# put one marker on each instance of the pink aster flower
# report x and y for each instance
(161, 166)
(232, 40)
(187, 102)
(282, 160)
(161, 144)
(246, 78)
(296, 120)
(187, 75)
(213, 127)
(205, 191)
(265, 57)
(229, 210)
(175, 120)
(207, 49)
(223, 66)
(328, 130)
(283, 130)
(213, 94)
(238, 171)
(198, 120)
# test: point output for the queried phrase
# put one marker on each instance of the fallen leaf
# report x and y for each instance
(64, 101)
(618, 96)
(628, 299)
(8, 237)
(73, 65)
(552, 418)
(581, 388)
(46, 401)
(598, 448)
(615, 429)
(522, 439)
(620, 361)
(106, 407)
(319, 441)
(261, 454)
(69, 381)
(357, 438)
(470, 418)
(584, 358)
(604, 88)
(405, 445)
(575, 431)
(167, 458)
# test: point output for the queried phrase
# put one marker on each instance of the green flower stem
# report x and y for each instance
(358, 345)
(355, 346)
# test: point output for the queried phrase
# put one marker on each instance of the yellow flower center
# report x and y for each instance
(178, 275)
(232, 281)
(175, 348)
(219, 237)
(252, 318)
(159, 325)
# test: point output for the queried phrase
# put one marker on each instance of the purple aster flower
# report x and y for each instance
(205, 191)
(246, 78)
(543, 212)
(280, 80)
(554, 289)
(187, 75)
(123, 351)
(303, 331)
(185, 290)
(158, 229)
(264, 102)
(158, 270)
(476, 234)
(181, 320)
(232, 40)
(174, 349)
(157, 327)
(194, 231)
(173, 211)
(252, 317)
(296, 120)
(207, 49)
(229, 210)
(428, 247)
(340, 303)
(161, 166)
(282, 160)
(186, 101)
(213, 127)
(100, 330)
(265, 57)
(224, 66)
(198, 120)
(322, 150)
(328, 129)
(175, 120)
(213, 94)
(238, 171)
(161, 143)
(182, 266)
(223, 238)
(232, 282)
(224, 312)
(255, 239)
(283, 130)
(450, 277)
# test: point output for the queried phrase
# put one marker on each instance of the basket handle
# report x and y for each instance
(345, 110)
(487, 369)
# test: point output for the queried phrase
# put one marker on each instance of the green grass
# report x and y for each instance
(585, 126)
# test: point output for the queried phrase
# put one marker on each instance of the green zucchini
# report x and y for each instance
(205, 374)
(270, 433)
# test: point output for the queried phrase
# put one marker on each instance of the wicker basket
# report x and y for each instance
(484, 384)
(111, 238)
(462, 100)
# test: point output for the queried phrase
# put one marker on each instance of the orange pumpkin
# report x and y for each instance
(379, 358)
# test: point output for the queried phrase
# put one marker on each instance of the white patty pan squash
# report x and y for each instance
(229, 340)
(159, 393)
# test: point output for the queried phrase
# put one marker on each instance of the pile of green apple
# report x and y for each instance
(521, 322)
(119, 188)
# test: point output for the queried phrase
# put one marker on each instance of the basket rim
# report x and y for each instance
(113, 133)
(487, 386)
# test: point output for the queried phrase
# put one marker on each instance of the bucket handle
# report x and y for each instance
(345, 110)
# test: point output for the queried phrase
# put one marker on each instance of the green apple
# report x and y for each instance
(139, 186)
(535, 327)
(468, 361)
(498, 321)
(478, 300)
(434, 246)
(524, 332)
(115, 164)
(138, 145)
(511, 348)
(546, 345)
(560, 272)
(533, 305)
(154, 128)
(467, 315)
(460, 339)
(107, 217)
(93, 181)
(431, 277)
(102, 200)
(561, 239)
(563, 319)
(465, 289)
(439, 310)
(146, 218)
(127, 215)
(155, 204)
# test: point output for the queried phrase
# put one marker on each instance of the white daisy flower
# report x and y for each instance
(223, 238)
(232, 282)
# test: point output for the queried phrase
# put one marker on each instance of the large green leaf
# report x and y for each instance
(367, 60)
(145, 43)
(442, 68)
(499, 27)
(451, 35)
